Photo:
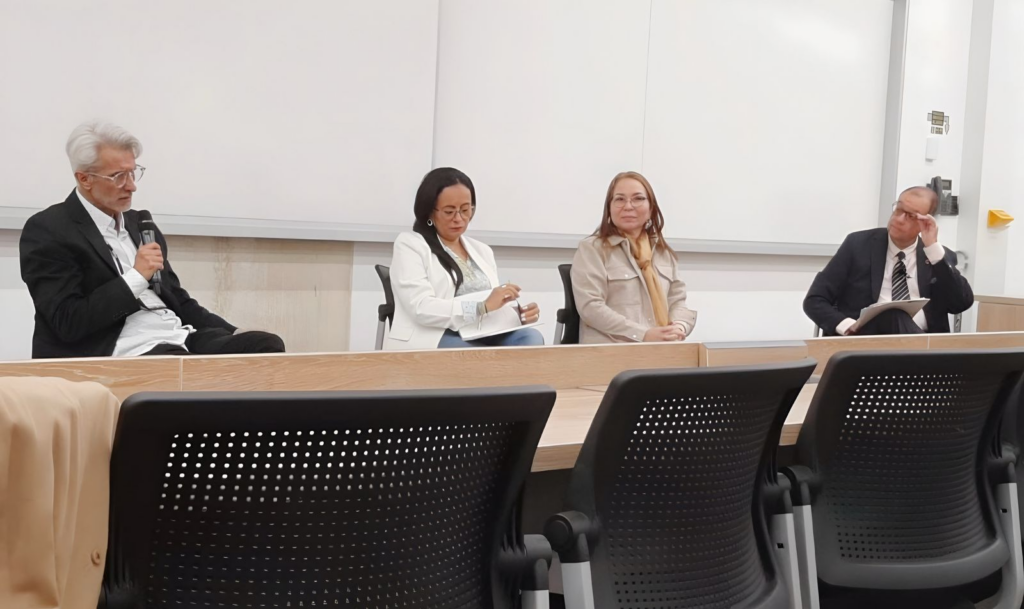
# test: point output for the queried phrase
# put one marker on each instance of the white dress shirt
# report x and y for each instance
(934, 252)
(143, 330)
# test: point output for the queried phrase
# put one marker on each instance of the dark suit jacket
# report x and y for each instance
(852, 280)
(80, 299)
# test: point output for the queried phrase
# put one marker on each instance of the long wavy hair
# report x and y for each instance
(426, 200)
(607, 229)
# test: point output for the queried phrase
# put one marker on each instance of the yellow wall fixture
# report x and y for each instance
(998, 218)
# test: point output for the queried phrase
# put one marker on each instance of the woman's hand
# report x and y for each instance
(529, 313)
(662, 334)
(500, 296)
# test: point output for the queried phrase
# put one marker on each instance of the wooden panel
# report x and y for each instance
(1000, 340)
(122, 376)
(797, 413)
(1007, 300)
(300, 290)
(562, 367)
(741, 354)
(994, 317)
(790, 433)
(822, 349)
(566, 429)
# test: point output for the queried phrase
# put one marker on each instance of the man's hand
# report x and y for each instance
(929, 229)
(149, 260)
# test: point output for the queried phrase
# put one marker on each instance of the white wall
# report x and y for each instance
(16, 321)
(993, 161)
(543, 102)
(253, 110)
(1003, 182)
(935, 78)
(759, 114)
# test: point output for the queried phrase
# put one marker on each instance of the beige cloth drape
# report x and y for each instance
(55, 442)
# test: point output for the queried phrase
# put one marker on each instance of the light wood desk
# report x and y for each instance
(580, 373)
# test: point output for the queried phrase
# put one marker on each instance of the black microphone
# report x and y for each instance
(148, 229)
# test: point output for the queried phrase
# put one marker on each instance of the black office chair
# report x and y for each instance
(386, 311)
(674, 500)
(567, 328)
(323, 499)
(904, 480)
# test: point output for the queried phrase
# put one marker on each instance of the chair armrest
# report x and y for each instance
(803, 483)
(525, 566)
(567, 532)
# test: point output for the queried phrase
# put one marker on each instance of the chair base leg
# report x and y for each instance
(784, 543)
(808, 564)
(577, 585)
(1011, 592)
(536, 599)
(379, 344)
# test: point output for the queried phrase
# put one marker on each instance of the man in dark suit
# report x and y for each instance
(900, 262)
(90, 274)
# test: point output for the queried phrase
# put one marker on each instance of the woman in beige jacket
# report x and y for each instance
(625, 278)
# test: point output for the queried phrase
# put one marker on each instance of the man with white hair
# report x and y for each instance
(90, 275)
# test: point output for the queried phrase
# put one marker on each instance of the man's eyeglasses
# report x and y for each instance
(448, 213)
(898, 210)
(121, 178)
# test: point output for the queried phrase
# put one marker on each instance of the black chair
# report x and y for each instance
(674, 499)
(903, 477)
(352, 499)
(567, 328)
(386, 311)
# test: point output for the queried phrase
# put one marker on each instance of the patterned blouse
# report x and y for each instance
(473, 277)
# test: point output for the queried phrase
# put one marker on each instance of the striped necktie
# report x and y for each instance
(900, 291)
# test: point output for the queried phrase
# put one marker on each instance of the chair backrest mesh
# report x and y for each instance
(899, 444)
(571, 317)
(319, 512)
(388, 308)
(678, 460)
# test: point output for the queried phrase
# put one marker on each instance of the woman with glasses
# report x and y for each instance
(444, 281)
(624, 277)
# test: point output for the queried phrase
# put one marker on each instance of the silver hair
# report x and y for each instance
(85, 141)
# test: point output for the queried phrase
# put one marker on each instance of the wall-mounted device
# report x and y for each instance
(938, 127)
(948, 204)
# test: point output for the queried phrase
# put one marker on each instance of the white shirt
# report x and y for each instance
(934, 252)
(143, 329)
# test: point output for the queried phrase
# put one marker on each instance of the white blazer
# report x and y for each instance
(424, 291)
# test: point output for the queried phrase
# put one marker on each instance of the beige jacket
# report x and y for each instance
(55, 443)
(611, 296)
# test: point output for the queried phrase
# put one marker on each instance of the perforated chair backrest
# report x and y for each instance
(361, 499)
(900, 444)
(675, 469)
(386, 310)
(568, 316)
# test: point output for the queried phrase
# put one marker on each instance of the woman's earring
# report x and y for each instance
(648, 225)
(609, 219)
(430, 222)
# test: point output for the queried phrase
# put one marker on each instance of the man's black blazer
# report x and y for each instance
(852, 280)
(80, 299)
